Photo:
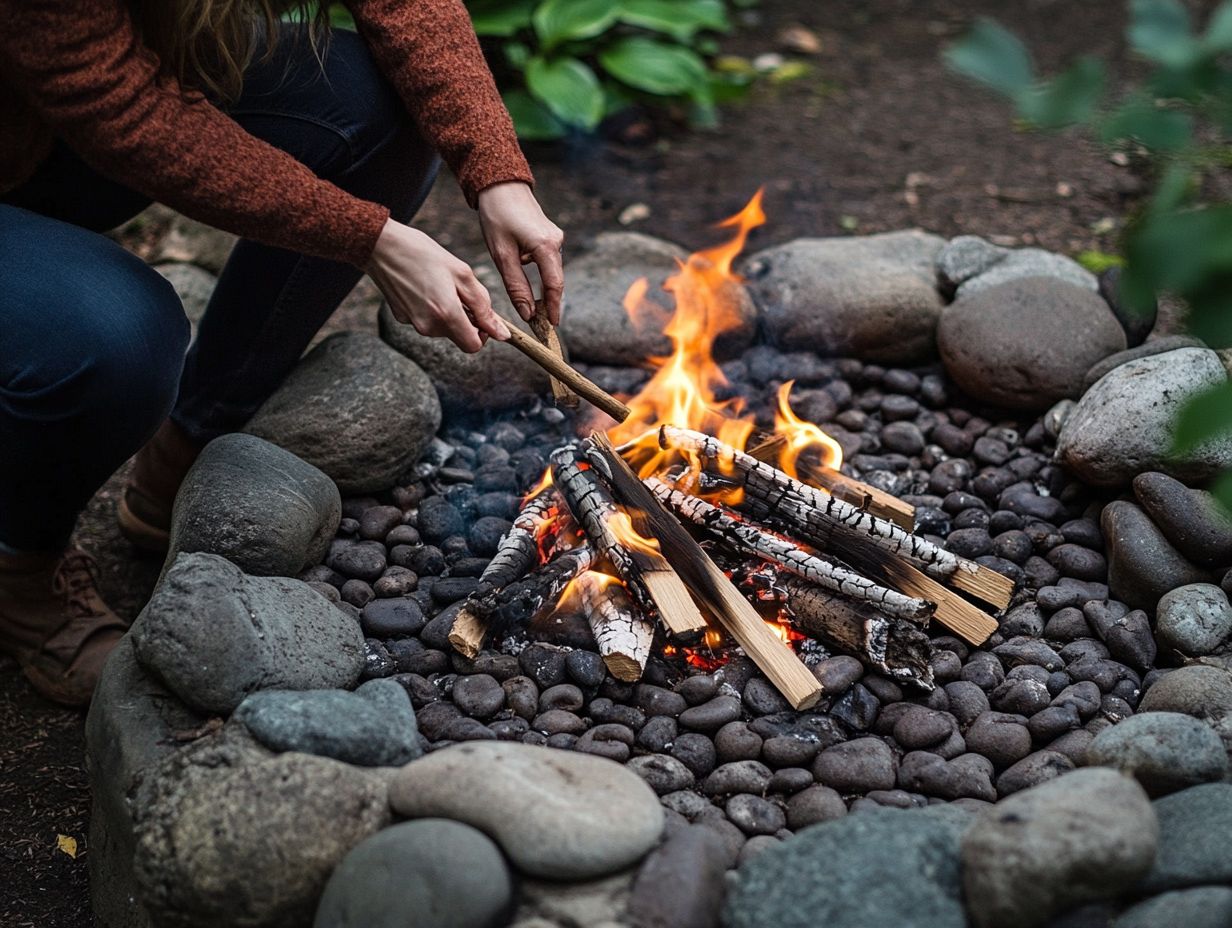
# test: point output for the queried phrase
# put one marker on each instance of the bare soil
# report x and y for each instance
(878, 137)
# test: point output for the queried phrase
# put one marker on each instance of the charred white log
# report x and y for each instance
(537, 594)
(806, 511)
(623, 635)
(649, 578)
(890, 645)
(730, 528)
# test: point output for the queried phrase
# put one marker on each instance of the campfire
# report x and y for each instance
(686, 528)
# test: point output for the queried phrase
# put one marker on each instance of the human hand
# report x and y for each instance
(518, 233)
(430, 289)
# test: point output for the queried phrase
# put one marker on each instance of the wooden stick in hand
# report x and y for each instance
(546, 333)
(557, 367)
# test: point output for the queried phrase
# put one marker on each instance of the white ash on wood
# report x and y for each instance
(622, 633)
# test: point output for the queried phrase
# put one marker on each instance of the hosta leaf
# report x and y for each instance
(531, 118)
(500, 17)
(680, 19)
(559, 21)
(568, 88)
(656, 67)
(1153, 126)
(994, 56)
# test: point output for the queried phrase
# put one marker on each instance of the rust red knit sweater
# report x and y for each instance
(76, 69)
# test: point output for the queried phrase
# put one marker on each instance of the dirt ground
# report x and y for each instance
(878, 137)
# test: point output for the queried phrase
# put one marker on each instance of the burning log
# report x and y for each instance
(861, 495)
(712, 587)
(816, 516)
(650, 579)
(729, 527)
(524, 600)
(623, 635)
(517, 554)
(892, 646)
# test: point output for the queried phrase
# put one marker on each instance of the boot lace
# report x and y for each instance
(74, 580)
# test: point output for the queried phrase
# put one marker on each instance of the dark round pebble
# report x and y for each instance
(561, 696)
(479, 696)
(439, 519)
(392, 618)
(696, 752)
(586, 668)
(736, 741)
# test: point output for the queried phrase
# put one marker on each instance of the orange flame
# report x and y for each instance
(622, 527)
(801, 435)
(683, 389)
(571, 596)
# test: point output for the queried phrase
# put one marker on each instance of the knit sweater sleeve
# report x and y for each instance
(81, 67)
(428, 50)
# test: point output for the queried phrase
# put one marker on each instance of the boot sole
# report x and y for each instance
(143, 536)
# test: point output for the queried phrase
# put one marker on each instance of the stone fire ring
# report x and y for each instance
(253, 762)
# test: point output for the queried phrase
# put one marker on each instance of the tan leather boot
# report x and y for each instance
(144, 510)
(55, 624)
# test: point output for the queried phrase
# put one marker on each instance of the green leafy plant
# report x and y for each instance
(573, 62)
(1180, 117)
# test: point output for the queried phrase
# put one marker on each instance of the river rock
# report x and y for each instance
(1083, 837)
(260, 507)
(214, 635)
(1201, 907)
(356, 409)
(229, 837)
(881, 867)
(1195, 832)
(965, 257)
(1202, 692)
(595, 325)
(431, 871)
(494, 378)
(1025, 263)
(1191, 520)
(1157, 346)
(372, 727)
(1142, 565)
(680, 884)
(872, 297)
(1194, 620)
(1164, 751)
(1026, 343)
(1123, 425)
(557, 814)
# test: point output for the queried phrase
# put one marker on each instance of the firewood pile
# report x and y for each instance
(681, 541)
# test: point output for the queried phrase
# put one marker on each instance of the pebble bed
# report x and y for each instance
(722, 748)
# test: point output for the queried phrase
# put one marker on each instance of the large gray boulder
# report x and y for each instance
(356, 409)
(1164, 751)
(878, 867)
(872, 297)
(213, 635)
(1195, 831)
(560, 815)
(598, 329)
(229, 836)
(1194, 620)
(131, 728)
(1123, 426)
(1192, 520)
(1200, 691)
(257, 505)
(969, 264)
(1028, 342)
(428, 872)
(1084, 837)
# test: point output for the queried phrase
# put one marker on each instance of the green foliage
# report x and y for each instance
(1180, 116)
(573, 62)
(1099, 261)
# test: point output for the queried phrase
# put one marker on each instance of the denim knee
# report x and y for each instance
(115, 356)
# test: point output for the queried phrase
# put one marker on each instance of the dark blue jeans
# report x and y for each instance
(94, 345)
